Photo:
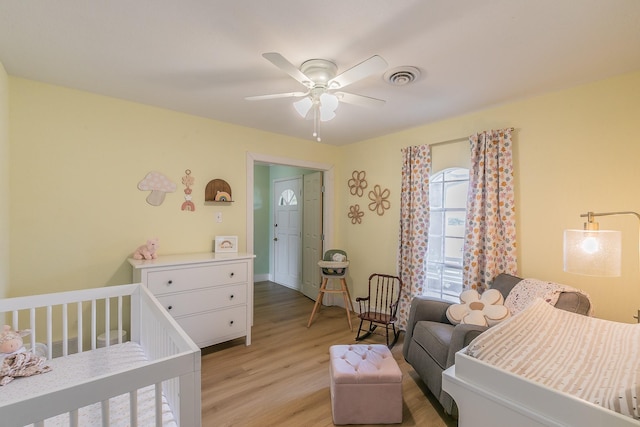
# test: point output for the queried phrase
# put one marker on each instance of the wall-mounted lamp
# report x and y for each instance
(594, 252)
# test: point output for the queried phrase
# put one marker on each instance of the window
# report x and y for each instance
(288, 198)
(448, 208)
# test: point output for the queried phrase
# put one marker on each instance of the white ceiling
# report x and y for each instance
(204, 57)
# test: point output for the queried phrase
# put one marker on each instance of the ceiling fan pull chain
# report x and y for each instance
(316, 124)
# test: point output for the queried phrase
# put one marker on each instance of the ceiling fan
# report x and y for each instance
(324, 86)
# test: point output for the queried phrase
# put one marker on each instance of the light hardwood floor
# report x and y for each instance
(282, 378)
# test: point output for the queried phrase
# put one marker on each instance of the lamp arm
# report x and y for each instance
(590, 215)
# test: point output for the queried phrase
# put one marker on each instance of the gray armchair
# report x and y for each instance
(431, 341)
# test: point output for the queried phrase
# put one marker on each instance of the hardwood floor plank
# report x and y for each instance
(282, 378)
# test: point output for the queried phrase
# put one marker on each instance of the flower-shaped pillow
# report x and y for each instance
(485, 310)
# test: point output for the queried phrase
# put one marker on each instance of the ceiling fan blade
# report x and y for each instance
(361, 100)
(364, 69)
(276, 95)
(286, 66)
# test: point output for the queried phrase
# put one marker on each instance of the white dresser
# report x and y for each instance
(209, 294)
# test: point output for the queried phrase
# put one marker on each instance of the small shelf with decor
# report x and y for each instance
(218, 191)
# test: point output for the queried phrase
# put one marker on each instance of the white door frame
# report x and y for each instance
(327, 181)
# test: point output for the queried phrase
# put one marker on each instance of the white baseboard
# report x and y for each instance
(290, 287)
(261, 278)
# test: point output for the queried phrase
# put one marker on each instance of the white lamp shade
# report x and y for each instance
(325, 115)
(303, 106)
(328, 105)
(592, 253)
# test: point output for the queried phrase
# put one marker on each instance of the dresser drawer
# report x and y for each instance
(215, 326)
(184, 279)
(205, 299)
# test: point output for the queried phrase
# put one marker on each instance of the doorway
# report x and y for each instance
(326, 181)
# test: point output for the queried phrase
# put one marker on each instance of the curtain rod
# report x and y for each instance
(464, 138)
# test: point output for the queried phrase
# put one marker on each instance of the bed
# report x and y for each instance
(549, 367)
(153, 379)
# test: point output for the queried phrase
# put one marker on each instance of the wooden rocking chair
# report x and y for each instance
(380, 306)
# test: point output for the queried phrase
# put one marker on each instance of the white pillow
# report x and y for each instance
(485, 310)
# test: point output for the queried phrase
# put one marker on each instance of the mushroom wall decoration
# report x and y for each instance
(159, 185)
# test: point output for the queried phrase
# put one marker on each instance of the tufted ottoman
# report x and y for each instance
(366, 385)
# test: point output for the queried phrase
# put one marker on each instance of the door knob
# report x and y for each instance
(275, 239)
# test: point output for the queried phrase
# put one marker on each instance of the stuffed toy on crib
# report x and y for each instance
(148, 250)
(11, 341)
(16, 360)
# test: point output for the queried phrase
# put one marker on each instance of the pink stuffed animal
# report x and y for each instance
(147, 251)
(15, 360)
(11, 341)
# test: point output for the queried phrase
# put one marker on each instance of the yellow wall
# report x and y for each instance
(4, 181)
(575, 150)
(76, 159)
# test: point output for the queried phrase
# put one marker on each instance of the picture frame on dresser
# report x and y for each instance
(226, 244)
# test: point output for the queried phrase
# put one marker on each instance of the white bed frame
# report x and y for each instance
(489, 396)
(173, 359)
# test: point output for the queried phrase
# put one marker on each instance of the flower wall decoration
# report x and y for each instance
(188, 181)
(379, 200)
(355, 214)
(357, 183)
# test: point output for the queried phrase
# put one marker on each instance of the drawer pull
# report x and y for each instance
(170, 307)
(232, 274)
(231, 323)
(231, 296)
(169, 282)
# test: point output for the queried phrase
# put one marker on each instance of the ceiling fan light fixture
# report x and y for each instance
(326, 115)
(321, 79)
(303, 106)
(328, 105)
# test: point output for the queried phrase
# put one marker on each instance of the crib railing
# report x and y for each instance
(161, 337)
(61, 318)
(54, 314)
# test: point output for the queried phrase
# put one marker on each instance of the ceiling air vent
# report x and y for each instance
(402, 76)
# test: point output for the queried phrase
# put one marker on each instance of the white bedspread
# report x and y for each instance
(594, 359)
(77, 368)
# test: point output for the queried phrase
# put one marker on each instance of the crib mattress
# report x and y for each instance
(78, 368)
(593, 359)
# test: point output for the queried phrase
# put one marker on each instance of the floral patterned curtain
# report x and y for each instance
(414, 225)
(490, 238)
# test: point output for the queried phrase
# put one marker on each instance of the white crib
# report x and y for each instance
(151, 380)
